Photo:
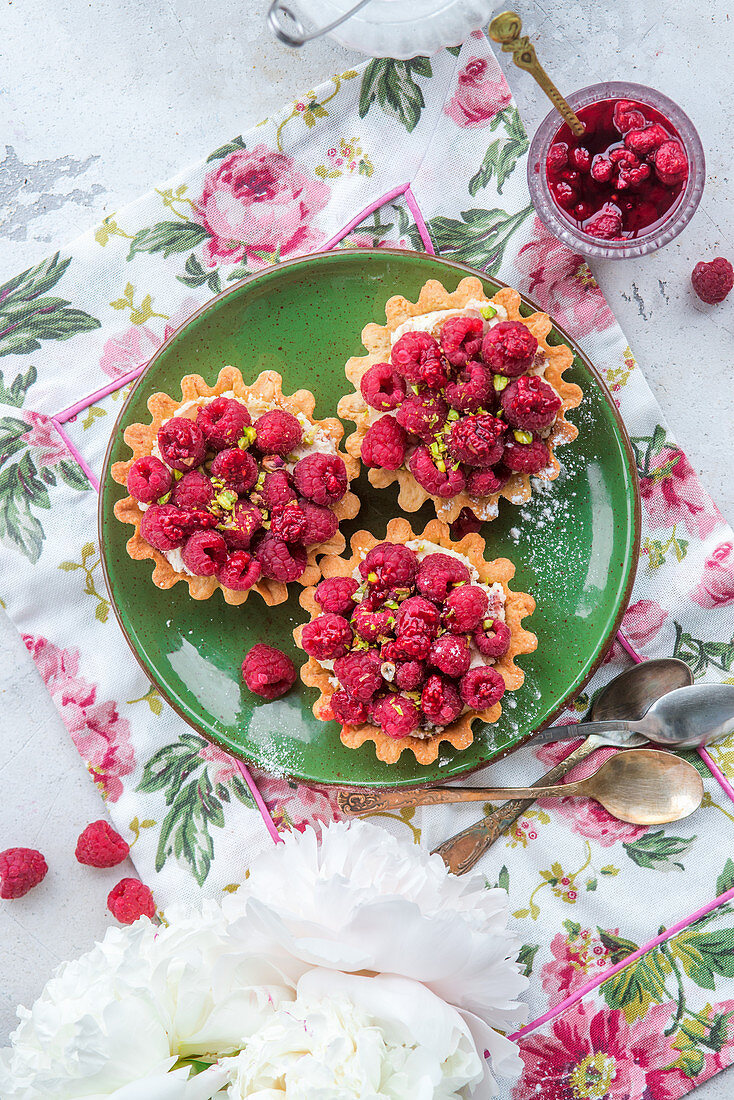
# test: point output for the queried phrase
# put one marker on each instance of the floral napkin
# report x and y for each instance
(628, 932)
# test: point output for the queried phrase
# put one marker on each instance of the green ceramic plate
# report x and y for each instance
(575, 546)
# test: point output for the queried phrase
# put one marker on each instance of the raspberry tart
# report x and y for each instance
(235, 487)
(413, 639)
(460, 400)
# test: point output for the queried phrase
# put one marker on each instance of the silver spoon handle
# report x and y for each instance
(298, 36)
(362, 802)
(584, 729)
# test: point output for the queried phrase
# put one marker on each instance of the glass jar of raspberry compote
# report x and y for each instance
(629, 184)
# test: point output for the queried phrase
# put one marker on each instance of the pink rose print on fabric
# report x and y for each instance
(561, 283)
(135, 346)
(47, 444)
(642, 621)
(477, 98)
(671, 493)
(224, 765)
(258, 204)
(576, 960)
(295, 806)
(716, 586)
(101, 736)
(595, 1055)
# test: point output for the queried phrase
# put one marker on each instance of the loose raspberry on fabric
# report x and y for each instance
(204, 552)
(327, 637)
(277, 490)
(393, 565)
(20, 870)
(348, 710)
(440, 700)
(289, 524)
(465, 608)
(451, 654)
(409, 675)
(461, 339)
(530, 403)
(321, 478)
(423, 415)
(321, 523)
(359, 674)
(277, 432)
(384, 444)
(99, 845)
(711, 281)
(397, 715)
(240, 571)
(438, 573)
(382, 387)
(194, 492)
(371, 624)
(417, 613)
(509, 348)
(493, 640)
(627, 116)
(148, 479)
(446, 482)
(417, 357)
(472, 389)
(477, 440)
(335, 594)
(279, 561)
(181, 443)
(481, 687)
(237, 469)
(241, 526)
(222, 422)
(485, 483)
(646, 140)
(268, 672)
(526, 458)
(671, 163)
(129, 900)
(466, 523)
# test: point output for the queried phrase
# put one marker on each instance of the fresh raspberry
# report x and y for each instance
(526, 458)
(712, 281)
(148, 479)
(580, 158)
(530, 403)
(450, 653)
(437, 575)
(371, 624)
(391, 564)
(237, 469)
(382, 387)
(646, 140)
(481, 687)
(472, 389)
(289, 524)
(347, 710)
(268, 672)
(321, 523)
(321, 478)
(417, 613)
(384, 444)
(240, 571)
(630, 178)
(601, 169)
(492, 639)
(397, 715)
(465, 608)
(509, 348)
(165, 527)
(417, 357)
(439, 483)
(671, 163)
(277, 432)
(359, 674)
(100, 846)
(335, 595)
(413, 644)
(241, 526)
(461, 339)
(181, 443)
(557, 158)
(409, 675)
(466, 523)
(203, 553)
(566, 195)
(606, 224)
(223, 421)
(277, 491)
(477, 440)
(423, 415)
(20, 870)
(280, 561)
(440, 700)
(194, 492)
(327, 637)
(627, 116)
(129, 900)
(485, 483)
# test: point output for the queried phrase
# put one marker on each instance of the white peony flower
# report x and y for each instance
(359, 1038)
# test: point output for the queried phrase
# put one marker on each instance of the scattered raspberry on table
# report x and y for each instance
(99, 845)
(713, 281)
(129, 900)
(20, 870)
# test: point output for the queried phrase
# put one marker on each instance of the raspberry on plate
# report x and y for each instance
(327, 637)
(384, 444)
(471, 389)
(409, 675)
(279, 560)
(268, 672)
(370, 624)
(487, 482)
(422, 415)
(164, 526)
(99, 845)
(321, 478)
(397, 715)
(348, 710)
(530, 403)
(417, 613)
(236, 468)
(277, 490)
(393, 565)
(204, 552)
(417, 357)
(20, 870)
(194, 492)
(277, 432)
(493, 639)
(336, 594)
(713, 281)
(241, 525)
(438, 573)
(129, 900)
(149, 479)
(435, 475)
(359, 673)
(482, 687)
(290, 524)
(239, 571)
(222, 422)
(382, 387)
(440, 700)
(451, 654)
(181, 443)
(526, 458)
(461, 339)
(465, 608)
(509, 348)
(477, 440)
(321, 523)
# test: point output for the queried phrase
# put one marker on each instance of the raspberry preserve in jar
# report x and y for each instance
(629, 183)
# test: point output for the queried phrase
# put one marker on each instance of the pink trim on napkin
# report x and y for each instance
(259, 802)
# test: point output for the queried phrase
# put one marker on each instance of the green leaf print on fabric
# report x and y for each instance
(699, 654)
(503, 153)
(26, 317)
(479, 238)
(167, 237)
(16, 393)
(21, 489)
(526, 957)
(88, 563)
(224, 150)
(197, 275)
(655, 851)
(392, 85)
(181, 772)
(725, 881)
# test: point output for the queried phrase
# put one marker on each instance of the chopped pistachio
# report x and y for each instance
(217, 483)
(415, 389)
(247, 438)
(392, 604)
(260, 480)
(226, 498)
(177, 475)
(488, 312)
(399, 709)
(266, 524)
(441, 466)
(488, 624)
(523, 437)
(165, 498)
(372, 577)
(452, 415)
(499, 382)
